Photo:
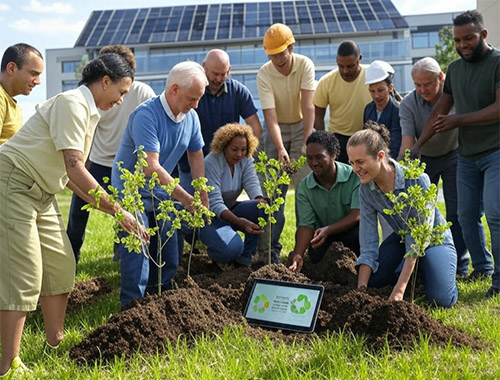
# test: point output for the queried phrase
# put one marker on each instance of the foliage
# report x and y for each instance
(80, 65)
(417, 207)
(168, 212)
(445, 51)
(235, 354)
(276, 175)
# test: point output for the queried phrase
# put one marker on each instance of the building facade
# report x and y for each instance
(164, 36)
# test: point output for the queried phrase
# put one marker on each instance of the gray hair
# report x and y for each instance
(184, 74)
(426, 64)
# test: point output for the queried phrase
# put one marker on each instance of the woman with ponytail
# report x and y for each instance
(46, 155)
(386, 265)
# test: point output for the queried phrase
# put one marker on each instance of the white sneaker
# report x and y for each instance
(16, 366)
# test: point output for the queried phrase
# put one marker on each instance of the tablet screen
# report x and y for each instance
(284, 305)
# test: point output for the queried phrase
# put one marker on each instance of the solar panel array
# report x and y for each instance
(210, 22)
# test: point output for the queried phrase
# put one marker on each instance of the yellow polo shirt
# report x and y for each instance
(347, 101)
(66, 121)
(283, 92)
(11, 116)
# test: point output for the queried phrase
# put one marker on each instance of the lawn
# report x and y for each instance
(233, 355)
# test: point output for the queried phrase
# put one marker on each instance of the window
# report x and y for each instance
(69, 66)
(424, 40)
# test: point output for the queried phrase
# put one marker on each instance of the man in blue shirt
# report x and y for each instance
(225, 100)
(167, 127)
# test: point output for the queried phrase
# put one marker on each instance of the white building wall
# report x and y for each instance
(55, 76)
(490, 9)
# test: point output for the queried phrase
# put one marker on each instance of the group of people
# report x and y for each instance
(77, 137)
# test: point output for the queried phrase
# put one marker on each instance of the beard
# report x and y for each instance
(477, 52)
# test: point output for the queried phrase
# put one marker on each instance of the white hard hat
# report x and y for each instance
(377, 72)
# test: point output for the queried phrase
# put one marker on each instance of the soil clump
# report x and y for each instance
(85, 292)
(211, 299)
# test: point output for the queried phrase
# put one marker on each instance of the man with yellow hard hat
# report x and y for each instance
(286, 86)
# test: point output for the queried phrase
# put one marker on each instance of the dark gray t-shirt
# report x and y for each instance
(473, 86)
(413, 113)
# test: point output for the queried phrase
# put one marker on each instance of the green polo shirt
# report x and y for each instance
(318, 207)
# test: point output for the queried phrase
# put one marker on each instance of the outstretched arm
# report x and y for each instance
(442, 107)
(303, 237)
(274, 132)
(319, 118)
(307, 108)
(486, 115)
(81, 182)
(254, 122)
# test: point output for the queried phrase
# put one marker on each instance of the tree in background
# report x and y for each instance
(79, 67)
(445, 51)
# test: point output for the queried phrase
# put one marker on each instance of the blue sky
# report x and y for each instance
(49, 24)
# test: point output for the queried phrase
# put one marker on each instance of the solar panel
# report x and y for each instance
(210, 22)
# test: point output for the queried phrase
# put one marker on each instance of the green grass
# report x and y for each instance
(233, 355)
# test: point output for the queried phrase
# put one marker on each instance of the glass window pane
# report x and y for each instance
(420, 40)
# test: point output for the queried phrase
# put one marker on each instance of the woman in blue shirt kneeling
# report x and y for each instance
(386, 265)
(229, 169)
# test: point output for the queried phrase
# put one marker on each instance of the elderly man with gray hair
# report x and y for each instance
(440, 153)
(166, 126)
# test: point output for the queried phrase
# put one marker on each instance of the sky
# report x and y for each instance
(51, 24)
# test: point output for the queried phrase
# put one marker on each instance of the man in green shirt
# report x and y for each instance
(327, 203)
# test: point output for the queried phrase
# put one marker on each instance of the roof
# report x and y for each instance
(239, 21)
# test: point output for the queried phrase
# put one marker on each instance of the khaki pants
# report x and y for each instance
(293, 137)
(36, 258)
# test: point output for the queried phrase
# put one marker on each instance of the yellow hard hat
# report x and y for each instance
(277, 38)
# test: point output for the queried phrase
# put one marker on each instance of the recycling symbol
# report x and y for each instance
(260, 303)
(300, 305)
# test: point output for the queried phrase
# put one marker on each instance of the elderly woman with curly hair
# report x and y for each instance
(229, 169)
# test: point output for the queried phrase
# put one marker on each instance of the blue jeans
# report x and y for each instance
(185, 233)
(224, 244)
(437, 270)
(78, 218)
(478, 191)
(445, 166)
(138, 273)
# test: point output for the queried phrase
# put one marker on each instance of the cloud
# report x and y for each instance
(406, 7)
(4, 7)
(47, 26)
(58, 8)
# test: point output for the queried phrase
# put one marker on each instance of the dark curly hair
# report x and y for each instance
(327, 140)
(225, 134)
(470, 17)
(375, 136)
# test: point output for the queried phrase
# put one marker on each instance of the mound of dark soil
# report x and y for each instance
(87, 291)
(211, 299)
(151, 321)
(338, 266)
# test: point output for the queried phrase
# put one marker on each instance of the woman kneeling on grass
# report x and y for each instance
(47, 154)
(385, 265)
(229, 169)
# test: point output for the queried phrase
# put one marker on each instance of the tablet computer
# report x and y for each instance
(284, 305)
